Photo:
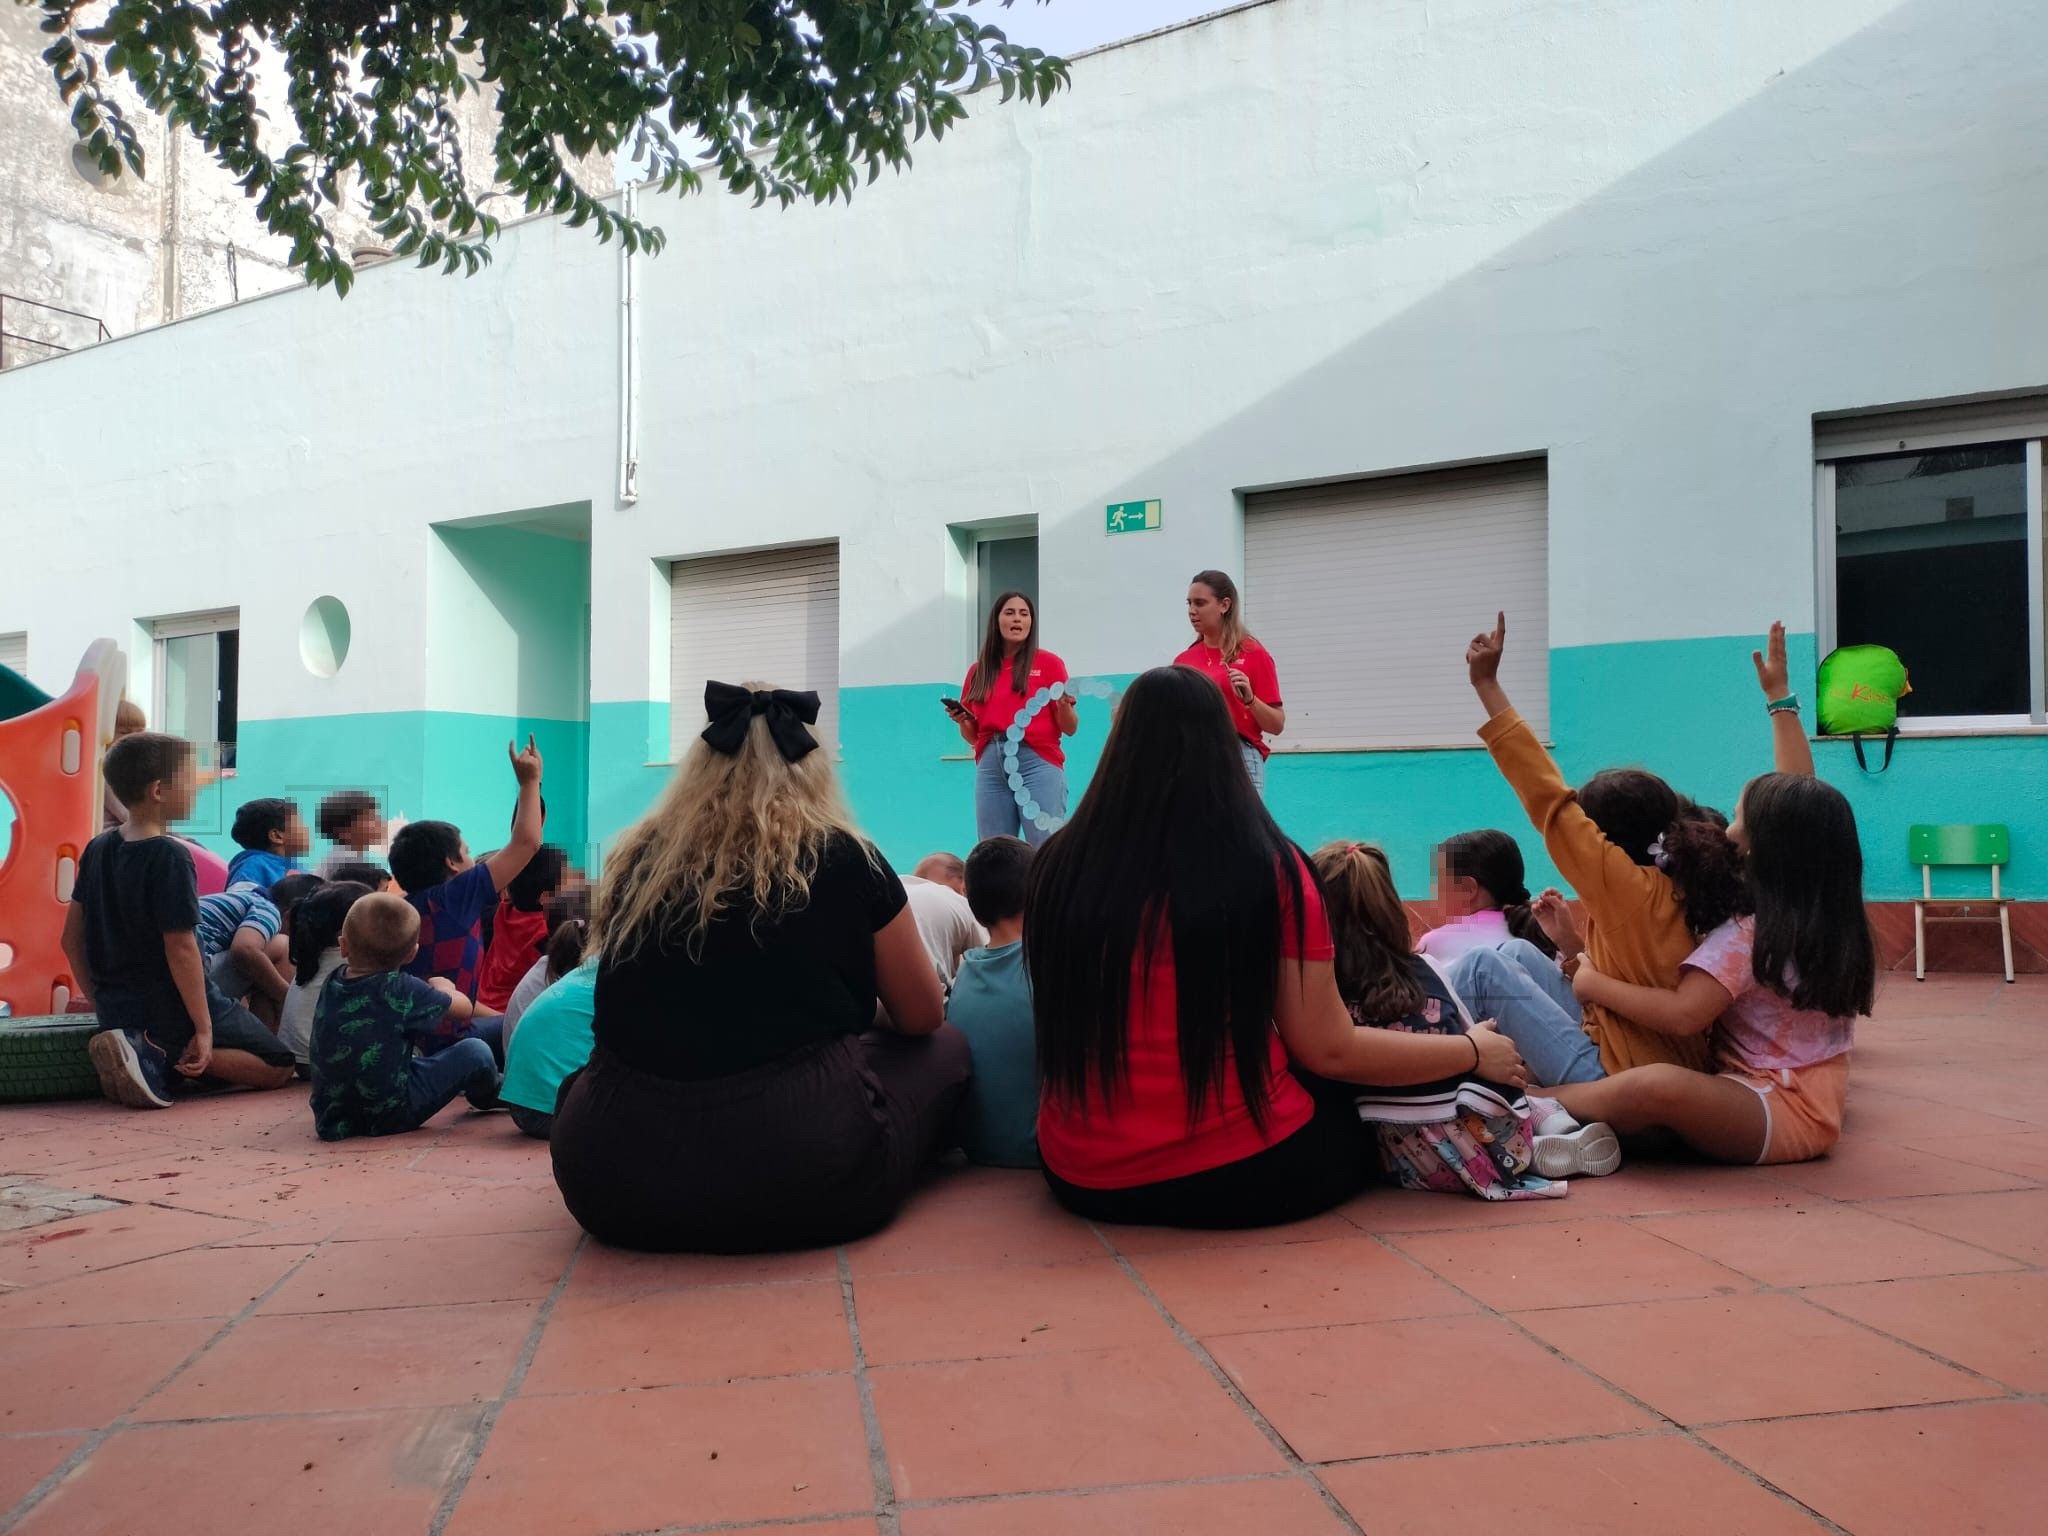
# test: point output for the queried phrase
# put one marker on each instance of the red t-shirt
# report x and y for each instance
(995, 713)
(1256, 663)
(1144, 1136)
(516, 940)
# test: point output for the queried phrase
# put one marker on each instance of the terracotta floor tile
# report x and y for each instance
(90, 1140)
(1570, 1264)
(102, 1240)
(1663, 1484)
(1379, 1389)
(1077, 1420)
(973, 1226)
(83, 1378)
(2015, 1223)
(1971, 1468)
(1268, 1507)
(426, 1271)
(413, 1357)
(1821, 1245)
(464, 1210)
(26, 1460)
(1133, 1241)
(666, 1338)
(1746, 1357)
(2024, 1153)
(635, 1461)
(602, 1271)
(1995, 1324)
(1645, 1188)
(1013, 1309)
(1912, 1120)
(807, 1528)
(336, 1475)
(1866, 1168)
(1292, 1285)
(488, 1147)
(200, 1282)
(1403, 1210)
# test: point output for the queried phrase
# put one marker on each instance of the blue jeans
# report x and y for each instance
(1525, 994)
(491, 1030)
(996, 812)
(1255, 765)
(467, 1067)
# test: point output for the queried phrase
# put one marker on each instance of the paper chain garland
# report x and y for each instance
(1013, 738)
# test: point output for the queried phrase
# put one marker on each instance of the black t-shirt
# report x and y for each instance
(757, 991)
(133, 893)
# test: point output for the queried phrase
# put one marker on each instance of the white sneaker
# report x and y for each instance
(1590, 1151)
(1556, 1123)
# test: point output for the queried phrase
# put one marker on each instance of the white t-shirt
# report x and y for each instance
(945, 922)
(295, 1017)
(531, 985)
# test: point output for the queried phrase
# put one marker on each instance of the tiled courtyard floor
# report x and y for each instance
(410, 1335)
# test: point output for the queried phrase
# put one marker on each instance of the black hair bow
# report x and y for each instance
(732, 711)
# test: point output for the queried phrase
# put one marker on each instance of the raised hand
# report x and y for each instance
(1482, 656)
(1773, 672)
(526, 764)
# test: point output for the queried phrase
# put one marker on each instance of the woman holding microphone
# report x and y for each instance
(1226, 652)
(1010, 669)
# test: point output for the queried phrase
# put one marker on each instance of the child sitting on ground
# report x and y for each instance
(520, 930)
(452, 891)
(991, 1006)
(568, 929)
(1785, 966)
(272, 839)
(130, 935)
(1600, 837)
(350, 820)
(242, 937)
(1462, 1133)
(1486, 904)
(315, 954)
(554, 1032)
(366, 1079)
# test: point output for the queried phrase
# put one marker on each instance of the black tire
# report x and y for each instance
(45, 1058)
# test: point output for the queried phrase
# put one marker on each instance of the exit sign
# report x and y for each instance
(1132, 517)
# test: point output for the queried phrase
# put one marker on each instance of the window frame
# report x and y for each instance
(2030, 429)
(185, 626)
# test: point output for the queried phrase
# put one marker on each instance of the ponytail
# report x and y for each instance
(568, 931)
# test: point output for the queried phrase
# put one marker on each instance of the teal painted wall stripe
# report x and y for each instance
(1687, 709)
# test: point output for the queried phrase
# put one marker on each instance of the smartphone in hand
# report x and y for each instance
(956, 709)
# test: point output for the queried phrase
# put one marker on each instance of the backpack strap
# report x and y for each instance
(1444, 976)
(1891, 739)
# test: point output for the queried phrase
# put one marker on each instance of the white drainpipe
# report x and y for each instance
(629, 362)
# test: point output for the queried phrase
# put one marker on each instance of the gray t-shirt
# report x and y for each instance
(295, 1018)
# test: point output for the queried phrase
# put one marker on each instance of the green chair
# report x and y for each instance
(1975, 845)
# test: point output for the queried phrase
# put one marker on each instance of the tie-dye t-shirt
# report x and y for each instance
(1761, 1030)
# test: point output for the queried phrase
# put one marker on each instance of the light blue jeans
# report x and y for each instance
(996, 812)
(1521, 989)
(1255, 765)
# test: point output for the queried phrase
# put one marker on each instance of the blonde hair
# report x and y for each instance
(746, 829)
(1370, 926)
(381, 931)
(1234, 634)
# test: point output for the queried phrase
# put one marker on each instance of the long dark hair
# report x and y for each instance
(316, 925)
(1375, 950)
(1805, 864)
(990, 661)
(1492, 860)
(1170, 846)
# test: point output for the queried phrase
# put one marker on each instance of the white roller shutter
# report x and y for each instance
(1367, 591)
(14, 651)
(771, 616)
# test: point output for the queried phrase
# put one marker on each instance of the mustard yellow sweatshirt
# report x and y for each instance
(1635, 927)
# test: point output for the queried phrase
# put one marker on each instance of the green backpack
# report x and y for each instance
(1860, 689)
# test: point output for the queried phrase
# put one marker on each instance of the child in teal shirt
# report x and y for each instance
(991, 1006)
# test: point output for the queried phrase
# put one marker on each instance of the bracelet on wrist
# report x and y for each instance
(1788, 705)
(1474, 1040)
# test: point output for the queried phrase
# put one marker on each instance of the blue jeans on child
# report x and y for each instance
(1521, 989)
(996, 812)
(490, 1029)
(467, 1067)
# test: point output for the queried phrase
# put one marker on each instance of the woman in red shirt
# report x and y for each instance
(1181, 963)
(1004, 679)
(1225, 652)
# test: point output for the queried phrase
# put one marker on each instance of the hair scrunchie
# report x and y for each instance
(732, 711)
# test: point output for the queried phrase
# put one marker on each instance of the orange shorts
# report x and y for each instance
(1802, 1107)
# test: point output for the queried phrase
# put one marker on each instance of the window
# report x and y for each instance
(1931, 531)
(769, 616)
(198, 682)
(1366, 591)
(14, 652)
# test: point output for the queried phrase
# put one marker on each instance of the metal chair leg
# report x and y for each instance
(2005, 933)
(1919, 942)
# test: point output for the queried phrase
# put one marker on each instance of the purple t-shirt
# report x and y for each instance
(451, 928)
(1761, 1030)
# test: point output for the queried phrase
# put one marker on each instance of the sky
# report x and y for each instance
(1068, 26)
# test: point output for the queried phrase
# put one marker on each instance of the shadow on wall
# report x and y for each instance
(1776, 223)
